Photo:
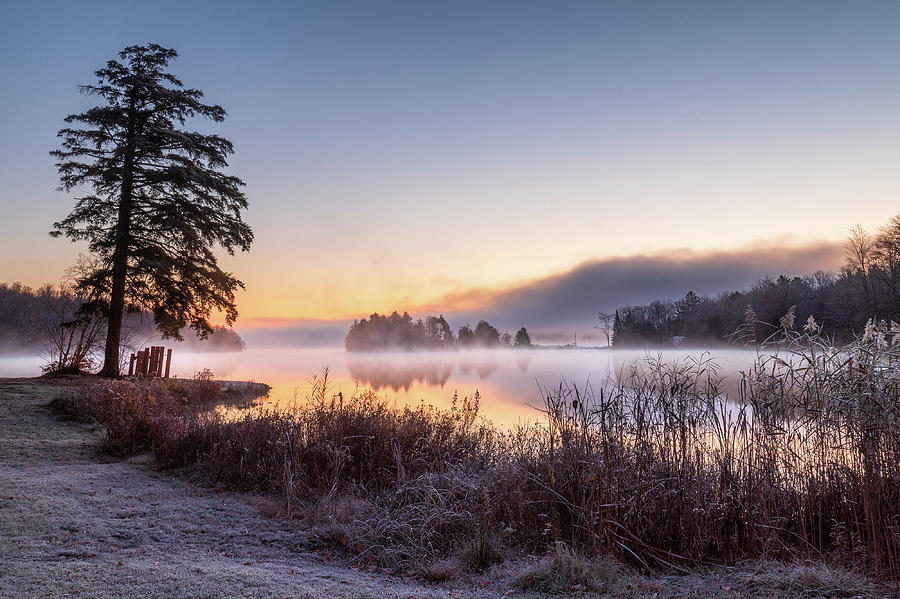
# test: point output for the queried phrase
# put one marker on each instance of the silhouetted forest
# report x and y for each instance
(30, 317)
(401, 331)
(868, 286)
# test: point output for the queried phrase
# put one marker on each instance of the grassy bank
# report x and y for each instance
(656, 470)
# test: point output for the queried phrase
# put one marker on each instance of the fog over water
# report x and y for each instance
(507, 380)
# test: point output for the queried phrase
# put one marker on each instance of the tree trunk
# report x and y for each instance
(120, 256)
(117, 296)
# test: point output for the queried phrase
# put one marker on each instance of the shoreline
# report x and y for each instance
(76, 522)
(80, 523)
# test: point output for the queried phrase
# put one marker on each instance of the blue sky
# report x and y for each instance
(400, 153)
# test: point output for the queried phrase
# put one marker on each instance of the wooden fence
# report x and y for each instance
(149, 362)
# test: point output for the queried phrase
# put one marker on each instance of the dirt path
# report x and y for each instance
(73, 524)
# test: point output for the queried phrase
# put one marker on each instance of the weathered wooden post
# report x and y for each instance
(150, 361)
(145, 361)
(154, 361)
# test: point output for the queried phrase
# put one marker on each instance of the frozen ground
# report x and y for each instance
(75, 523)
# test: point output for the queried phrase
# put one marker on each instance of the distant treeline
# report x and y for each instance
(868, 286)
(29, 318)
(401, 331)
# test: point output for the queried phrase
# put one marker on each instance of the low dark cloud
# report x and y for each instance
(570, 301)
(555, 307)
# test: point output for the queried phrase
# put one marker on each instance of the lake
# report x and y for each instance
(507, 380)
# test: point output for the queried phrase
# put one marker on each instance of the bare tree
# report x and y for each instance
(860, 255)
(72, 339)
(886, 255)
(659, 310)
(606, 325)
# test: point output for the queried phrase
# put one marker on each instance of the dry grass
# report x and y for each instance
(73, 525)
(563, 571)
(657, 470)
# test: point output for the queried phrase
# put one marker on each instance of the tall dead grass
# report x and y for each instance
(657, 467)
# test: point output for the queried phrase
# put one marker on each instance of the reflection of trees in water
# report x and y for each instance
(523, 362)
(391, 372)
(483, 368)
(394, 375)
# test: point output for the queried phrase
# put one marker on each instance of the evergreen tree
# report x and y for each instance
(617, 329)
(159, 202)
(523, 339)
(690, 302)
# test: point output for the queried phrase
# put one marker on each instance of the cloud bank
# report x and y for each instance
(556, 306)
(571, 300)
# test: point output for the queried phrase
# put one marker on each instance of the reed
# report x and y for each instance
(657, 467)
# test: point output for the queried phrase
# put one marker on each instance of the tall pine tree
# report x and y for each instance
(158, 203)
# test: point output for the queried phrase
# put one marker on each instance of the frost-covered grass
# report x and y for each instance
(657, 470)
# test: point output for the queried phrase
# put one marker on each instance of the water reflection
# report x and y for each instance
(403, 372)
(398, 375)
(482, 369)
(508, 381)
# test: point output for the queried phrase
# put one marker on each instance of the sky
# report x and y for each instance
(462, 156)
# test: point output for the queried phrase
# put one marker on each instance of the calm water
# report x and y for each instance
(507, 380)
